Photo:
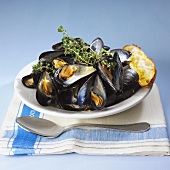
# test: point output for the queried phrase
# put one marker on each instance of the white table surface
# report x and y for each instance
(28, 28)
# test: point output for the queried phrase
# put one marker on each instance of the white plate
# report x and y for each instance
(27, 95)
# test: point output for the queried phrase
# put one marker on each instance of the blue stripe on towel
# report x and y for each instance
(105, 135)
(25, 138)
(22, 151)
(27, 111)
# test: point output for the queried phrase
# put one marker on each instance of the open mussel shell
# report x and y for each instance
(28, 81)
(84, 92)
(75, 97)
(68, 96)
(114, 77)
(31, 80)
(98, 95)
(123, 55)
(59, 62)
(117, 73)
(105, 76)
(46, 91)
(97, 45)
(50, 56)
(130, 85)
(69, 74)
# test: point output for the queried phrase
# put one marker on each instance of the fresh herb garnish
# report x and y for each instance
(41, 66)
(82, 53)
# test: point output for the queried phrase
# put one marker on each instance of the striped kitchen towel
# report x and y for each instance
(93, 141)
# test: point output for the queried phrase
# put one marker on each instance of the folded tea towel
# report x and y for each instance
(93, 141)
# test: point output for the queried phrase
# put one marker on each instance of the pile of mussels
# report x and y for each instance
(79, 87)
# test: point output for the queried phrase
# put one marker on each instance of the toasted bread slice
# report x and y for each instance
(143, 65)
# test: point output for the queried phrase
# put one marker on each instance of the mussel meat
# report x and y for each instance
(46, 91)
(68, 74)
(28, 81)
(58, 62)
(31, 80)
(98, 94)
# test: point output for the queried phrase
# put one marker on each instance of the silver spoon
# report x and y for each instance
(48, 128)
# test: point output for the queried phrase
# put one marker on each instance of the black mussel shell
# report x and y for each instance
(111, 99)
(106, 47)
(111, 95)
(123, 55)
(46, 91)
(28, 81)
(84, 92)
(97, 45)
(58, 47)
(116, 82)
(106, 78)
(117, 73)
(36, 77)
(31, 80)
(49, 56)
(98, 94)
(43, 99)
(130, 85)
(131, 78)
(69, 96)
(120, 96)
(56, 59)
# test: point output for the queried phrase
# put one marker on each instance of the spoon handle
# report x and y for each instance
(135, 127)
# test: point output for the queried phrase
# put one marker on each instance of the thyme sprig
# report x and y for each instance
(41, 66)
(82, 52)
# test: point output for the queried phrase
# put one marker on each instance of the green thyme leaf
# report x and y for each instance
(41, 66)
(60, 29)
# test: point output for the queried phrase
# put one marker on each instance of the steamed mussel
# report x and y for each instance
(31, 80)
(66, 80)
(68, 74)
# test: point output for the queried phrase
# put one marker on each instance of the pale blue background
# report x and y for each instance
(27, 28)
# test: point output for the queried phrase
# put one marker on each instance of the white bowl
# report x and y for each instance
(27, 96)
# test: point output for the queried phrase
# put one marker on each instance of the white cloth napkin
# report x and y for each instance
(94, 141)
